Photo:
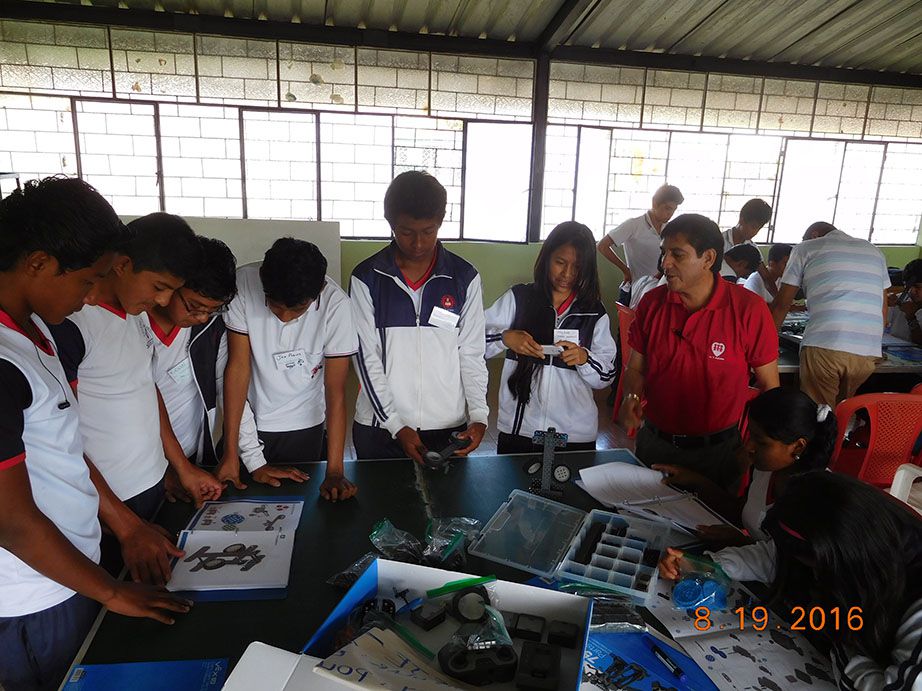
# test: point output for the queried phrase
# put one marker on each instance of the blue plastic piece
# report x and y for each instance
(690, 593)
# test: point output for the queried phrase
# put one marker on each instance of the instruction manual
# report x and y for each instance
(743, 658)
(237, 545)
(640, 491)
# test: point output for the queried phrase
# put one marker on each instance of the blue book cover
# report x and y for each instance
(179, 675)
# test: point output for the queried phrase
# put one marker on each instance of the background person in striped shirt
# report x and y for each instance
(845, 280)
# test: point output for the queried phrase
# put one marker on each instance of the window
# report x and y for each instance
(496, 181)
(899, 205)
(592, 178)
(638, 168)
(696, 166)
(559, 176)
(751, 172)
(809, 184)
(36, 136)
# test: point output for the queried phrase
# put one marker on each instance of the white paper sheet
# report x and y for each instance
(268, 668)
(248, 515)
(218, 560)
(615, 484)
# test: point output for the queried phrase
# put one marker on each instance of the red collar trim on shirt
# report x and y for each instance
(717, 300)
(46, 346)
(416, 285)
(165, 338)
(565, 305)
(115, 310)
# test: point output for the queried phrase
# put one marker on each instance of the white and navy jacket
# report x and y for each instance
(206, 349)
(561, 395)
(413, 373)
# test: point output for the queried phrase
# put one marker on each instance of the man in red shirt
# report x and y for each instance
(695, 341)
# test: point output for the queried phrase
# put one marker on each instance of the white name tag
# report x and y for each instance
(293, 359)
(571, 335)
(443, 319)
(181, 373)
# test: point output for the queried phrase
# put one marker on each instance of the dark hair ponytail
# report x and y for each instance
(787, 415)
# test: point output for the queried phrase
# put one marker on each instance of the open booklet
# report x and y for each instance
(639, 490)
(237, 545)
(743, 658)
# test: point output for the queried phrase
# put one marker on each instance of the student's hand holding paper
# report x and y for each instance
(573, 355)
(273, 475)
(147, 550)
(521, 343)
(669, 565)
(200, 485)
(151, 602)
(678, 475)
(336, 487)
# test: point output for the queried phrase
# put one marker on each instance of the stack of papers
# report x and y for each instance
(641, 491)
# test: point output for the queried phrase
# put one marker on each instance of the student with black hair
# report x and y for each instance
(744, 260)
(754, 214)
(419, 313)
(788, 434)
(905, 304)
(778, 256)
(107, 349)
(290, 336)
(562, 307)
(56, 241)
(695, 342)
(854, 552)
(640, 238)
(190, 354)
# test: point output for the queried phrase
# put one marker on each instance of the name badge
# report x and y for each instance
(292, 359)
(443, 319)
(571, 335)
(181, 373)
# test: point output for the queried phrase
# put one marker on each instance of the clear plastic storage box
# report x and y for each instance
(548, 539)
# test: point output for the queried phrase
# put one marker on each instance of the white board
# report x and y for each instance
(249, 239)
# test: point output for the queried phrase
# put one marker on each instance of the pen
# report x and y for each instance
(668, 663)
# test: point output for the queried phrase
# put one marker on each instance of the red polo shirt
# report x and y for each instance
(698, 363)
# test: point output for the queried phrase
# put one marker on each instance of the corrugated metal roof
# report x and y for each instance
(864, 34)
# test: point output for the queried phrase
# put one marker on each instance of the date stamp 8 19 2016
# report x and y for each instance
(801, 619)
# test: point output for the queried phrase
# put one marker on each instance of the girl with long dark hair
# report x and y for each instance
(788, 434)
(562, 307)
(842, 544)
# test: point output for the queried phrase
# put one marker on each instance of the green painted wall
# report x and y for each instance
(502, 265)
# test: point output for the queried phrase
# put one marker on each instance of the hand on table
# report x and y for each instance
(273, 475)
(474, 432)
(572, 354)
(200, 485)
(336, 487)
(521, 343)
(669, 565)
(411, 444)
(150, 601)
(147, 550)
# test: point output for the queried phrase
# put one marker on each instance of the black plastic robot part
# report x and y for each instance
(428, 615)
(436, 460)
(539, 667)
(469, 605)
(529, 627)
(478, 667)
(563, 634)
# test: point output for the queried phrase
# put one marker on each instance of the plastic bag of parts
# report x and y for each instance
(480, 652)
(447, 540)
(396, 544)
(615, 615)
(702, 584)
(346, 578)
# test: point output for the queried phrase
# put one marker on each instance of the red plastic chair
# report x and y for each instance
(625, 319)
(896, 423)
(916, 390)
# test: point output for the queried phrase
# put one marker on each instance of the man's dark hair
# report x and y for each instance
(64, 217)
(416, 194)
(668, 193)
(293, 272)
(216, 278)
(701, 233)
(818, 230)
(163, 243)
(745, 253)
(779, 252)
(756, 212)
(912, 272)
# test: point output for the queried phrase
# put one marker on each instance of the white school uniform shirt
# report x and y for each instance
(286, 383)
(755, 562)
(119, 415)
(898, 326)
(47, 439)
(756, 284)
(640, 241)
(844, 279)
(175, 379)
(727, 235)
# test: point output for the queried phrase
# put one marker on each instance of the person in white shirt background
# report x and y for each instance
(778, 256)
(744, 260)
(754, 214)
(640, 238)
(905, 303)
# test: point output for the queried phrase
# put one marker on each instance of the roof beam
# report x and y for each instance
(565, 21)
